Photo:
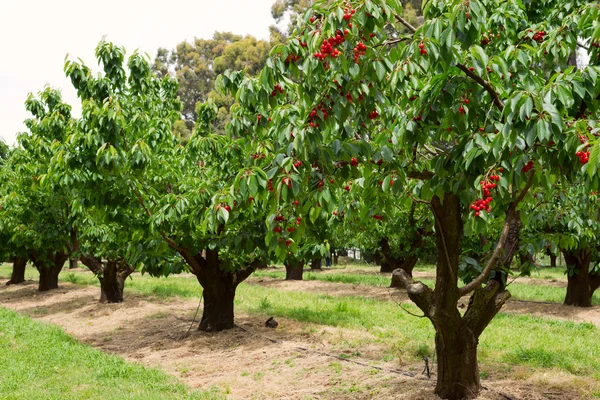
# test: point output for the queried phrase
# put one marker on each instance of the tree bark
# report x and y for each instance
(580, 282)
(316, 264)
(218, 290)
(111, 274)
(112, 281)
(294, 270)
(456, 336)
(73, 263)
(18, 271)
(49, 269)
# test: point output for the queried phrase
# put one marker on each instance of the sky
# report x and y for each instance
(36, 35)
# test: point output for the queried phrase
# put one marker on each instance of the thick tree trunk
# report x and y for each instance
(579, 287)
(73, 263)
(294, 270)
(456, 351)
(456, 343)
(49, 270)
(218, 290)
(111, 274)
(316, 264)
(456, 336)
(112, 281)
(18, 271)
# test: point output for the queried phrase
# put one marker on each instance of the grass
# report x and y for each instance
(39, 361)
(512, 339)
(519, 291)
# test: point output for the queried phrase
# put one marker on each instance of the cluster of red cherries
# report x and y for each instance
(359, 50)
(528, 167)
(422, 49)
(484, 203)
(328, 46)
(584, 156)
(276, 90)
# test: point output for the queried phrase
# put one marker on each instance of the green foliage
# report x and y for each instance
(196, 65)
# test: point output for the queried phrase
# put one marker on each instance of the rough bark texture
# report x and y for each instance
(456, 336)
(316, 264)
(111, 274)
(49, 270)
(294, 270)
(218, 289)
(18, 271)
(581, 285)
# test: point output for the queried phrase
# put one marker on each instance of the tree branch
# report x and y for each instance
(418, 292)
(495, 98)
(406, 24)
(511, 214)
(422, 175)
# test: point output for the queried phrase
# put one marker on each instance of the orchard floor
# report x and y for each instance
(295, 361)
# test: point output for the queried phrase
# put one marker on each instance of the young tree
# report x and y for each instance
(182, 193)
(38, 217)
(468, 112)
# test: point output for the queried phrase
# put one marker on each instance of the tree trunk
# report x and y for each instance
(112, 281)
(18, 271)
(579, 287)
(552, 260)
(73, 263)
(218, 290)
(456, 336)
(49, 270)
(316, 264)
(457, 369)
(111, 274)
(294, 270)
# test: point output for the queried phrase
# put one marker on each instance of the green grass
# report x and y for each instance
(519, 291)
(512, 339)
(39, 361)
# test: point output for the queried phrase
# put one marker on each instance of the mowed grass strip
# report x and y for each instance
(40, 361)
(511, 339)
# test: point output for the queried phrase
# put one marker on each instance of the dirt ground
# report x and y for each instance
(294, 361)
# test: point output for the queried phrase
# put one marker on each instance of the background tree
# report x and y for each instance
(37, 216)
(567, 219)
(182, 192)
(196, 65)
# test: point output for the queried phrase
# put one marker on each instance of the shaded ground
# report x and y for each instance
(297, 363)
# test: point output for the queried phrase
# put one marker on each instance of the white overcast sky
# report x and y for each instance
(36, 35)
